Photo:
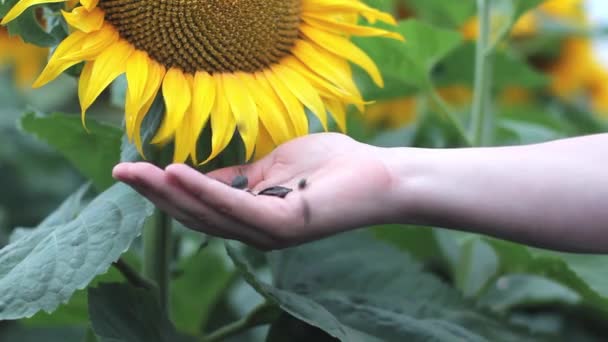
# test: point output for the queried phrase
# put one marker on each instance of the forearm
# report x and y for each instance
(553, 195)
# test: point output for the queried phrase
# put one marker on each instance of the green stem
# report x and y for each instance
(449, 114)
(263, 314)
(157, 249)
(483, 71)
(132, 276)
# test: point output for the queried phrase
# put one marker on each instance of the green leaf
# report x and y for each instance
(505, 13)
(354, 287)
(509, 71)
(29, 29)
(121, 313)
(15, 332)
(52, 262)
(519, 290)
(420, 242)
(476, 266)
(94, 153)
(451, 14)
(206, 276)
(407, 65)
(580, 273)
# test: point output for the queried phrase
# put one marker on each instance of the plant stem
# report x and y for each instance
(265, 313)
(157, 249)
(449, 114)
(157, 255)
(483, 70)
(132, 276)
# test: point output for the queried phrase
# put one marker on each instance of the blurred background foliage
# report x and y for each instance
(549, 82)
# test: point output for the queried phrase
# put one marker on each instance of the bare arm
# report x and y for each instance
(553, 195)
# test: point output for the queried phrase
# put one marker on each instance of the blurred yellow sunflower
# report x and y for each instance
(578, 72)
(27, 59)
(251, 66)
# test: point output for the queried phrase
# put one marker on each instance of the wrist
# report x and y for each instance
(414, 174)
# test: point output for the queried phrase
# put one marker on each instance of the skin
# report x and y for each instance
(552, 195)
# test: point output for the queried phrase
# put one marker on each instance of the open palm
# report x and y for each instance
(345, 184)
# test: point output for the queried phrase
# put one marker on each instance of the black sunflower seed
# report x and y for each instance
(276, 191)
(240, 182)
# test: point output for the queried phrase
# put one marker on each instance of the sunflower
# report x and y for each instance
(27, 59)
(250, 66)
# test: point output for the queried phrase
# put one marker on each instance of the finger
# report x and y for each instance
(151, 181)
(204, 215)
(261, 211)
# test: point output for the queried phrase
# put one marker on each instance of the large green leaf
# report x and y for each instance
(121, 313)
(53, 261)
(452, 14)
(508, 70)
(584, 274)
(93, 153)
(354, 287)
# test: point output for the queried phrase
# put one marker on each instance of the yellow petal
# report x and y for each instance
(108, 65)
(330, 25)
(184, 139)
(223, 124)
(203, 99)
(83, 85)
(89, 4)
(271, 110)
(264, 145)
(21, 6)
(292, 104)
(244, 110)
(56, 65)
(178, 96)
(337, 110)
(302, 89)
(343, 48)
(346, 7)
(93, 44)
(137, 78)
(81, 19)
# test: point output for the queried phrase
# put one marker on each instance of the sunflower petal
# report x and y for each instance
(264, 145)
(302, 89)
(203, 99)
(178, 97)
(295, 109)
(343, 48)
(223, 123)
(329, 24)
(83, 20)
(108, 65)
(270, 109)
(244, 110)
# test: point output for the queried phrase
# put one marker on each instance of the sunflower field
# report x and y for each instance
(87, 84)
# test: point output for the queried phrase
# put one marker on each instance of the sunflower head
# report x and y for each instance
(247, 66)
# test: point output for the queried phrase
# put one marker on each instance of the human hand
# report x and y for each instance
(347, 186)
